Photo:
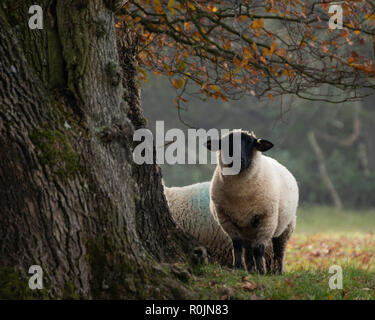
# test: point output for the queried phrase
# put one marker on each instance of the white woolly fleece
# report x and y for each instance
(267, 189)
(190, 209)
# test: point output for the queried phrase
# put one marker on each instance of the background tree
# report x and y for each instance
(71, 199)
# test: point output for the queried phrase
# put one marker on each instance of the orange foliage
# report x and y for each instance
(261, 50)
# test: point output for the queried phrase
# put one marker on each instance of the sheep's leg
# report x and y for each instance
(279, 246)
(258, 235)
(234, 232)
(258, 251)
(237, 253)
(249, 257)
(268, 255)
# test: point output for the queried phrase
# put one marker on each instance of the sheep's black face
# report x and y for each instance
(246, 145)
(245, 149)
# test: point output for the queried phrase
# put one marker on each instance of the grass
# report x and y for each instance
(324, 237)
(312, 220)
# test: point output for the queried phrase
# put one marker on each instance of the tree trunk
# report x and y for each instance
(323, 170)
(71, 198)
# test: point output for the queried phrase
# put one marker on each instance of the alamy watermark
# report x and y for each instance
(336, 20)
(170, 147)
(36, 20)
(36, 280)
(335, 281)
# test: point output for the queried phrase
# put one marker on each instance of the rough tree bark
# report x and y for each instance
(71, 199)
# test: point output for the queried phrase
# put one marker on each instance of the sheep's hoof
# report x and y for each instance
(239, 267)
(278, 268)
(251, 269)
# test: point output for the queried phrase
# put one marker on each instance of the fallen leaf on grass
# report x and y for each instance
(288, 283)
(245, 278)
(344, 293)
(249, 286)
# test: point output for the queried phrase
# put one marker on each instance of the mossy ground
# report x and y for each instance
(323, 238)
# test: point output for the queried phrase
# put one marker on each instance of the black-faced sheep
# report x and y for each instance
(190, 209)
(255, 206)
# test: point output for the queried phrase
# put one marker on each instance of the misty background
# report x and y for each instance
(341, 163)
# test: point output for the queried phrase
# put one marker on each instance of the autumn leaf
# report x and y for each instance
(216, 88)
(350, 60)
(191, 6)
(182, 66)
(187, 26)
(227, 45)
(257, 24)
(246, 52)
(249, 286)
(288, 72)
(262, 59)
(224, 98)
(363, 67)
(268, 52)
(281, 52)
(237, 62)
(273, 46)
(211, 8)
(143, 73)
(242, 18)
(158, 6)
(171, 7)
(178, 83)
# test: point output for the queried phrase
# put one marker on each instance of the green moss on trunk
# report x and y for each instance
(14, 286)
(56, 151)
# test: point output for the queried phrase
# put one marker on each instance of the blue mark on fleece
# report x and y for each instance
(200, 196)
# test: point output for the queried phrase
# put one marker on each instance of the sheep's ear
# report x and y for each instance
(263, 145)
(213, 145)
